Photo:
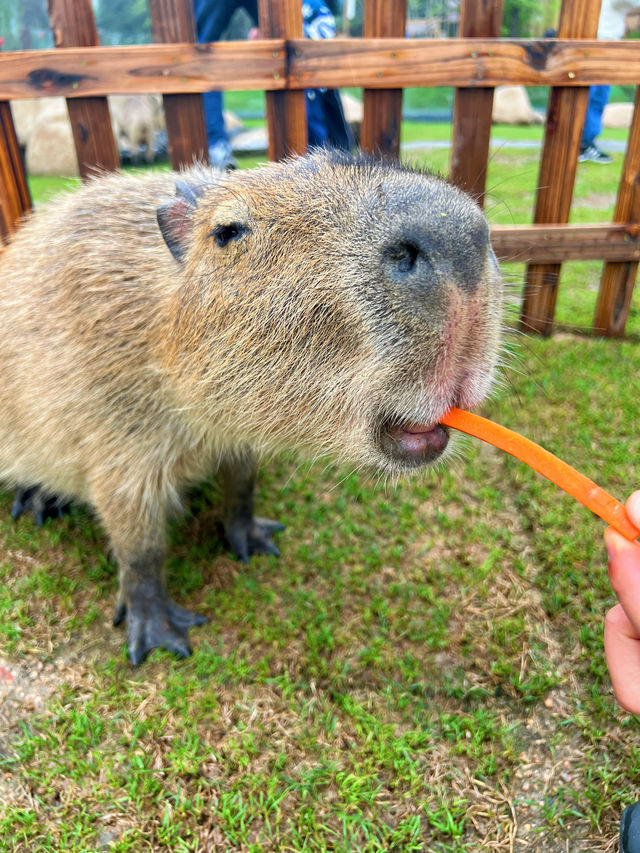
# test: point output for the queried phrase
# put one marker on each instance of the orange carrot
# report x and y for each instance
(567, 478)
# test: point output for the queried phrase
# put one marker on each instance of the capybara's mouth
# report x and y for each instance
(414, 444)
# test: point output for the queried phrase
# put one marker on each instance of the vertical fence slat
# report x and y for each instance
(14, 192)
(558, 164)
(618, 279)
(10, 141)
(382, 115)
(472, 108)
(74, 25)
(172, 21)
(286, 111)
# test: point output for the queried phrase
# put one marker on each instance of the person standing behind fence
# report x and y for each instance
(212, 19)
(326, 124)
(611, 26)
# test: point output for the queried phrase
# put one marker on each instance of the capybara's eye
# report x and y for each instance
(224, 234)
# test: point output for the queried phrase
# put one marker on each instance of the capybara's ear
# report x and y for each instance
(175, 218)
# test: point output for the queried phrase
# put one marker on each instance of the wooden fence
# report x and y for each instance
(382, 62)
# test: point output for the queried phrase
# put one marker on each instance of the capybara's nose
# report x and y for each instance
(432, 260)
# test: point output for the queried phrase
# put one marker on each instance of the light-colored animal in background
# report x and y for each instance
(511, 105)
(44, 130)
(136, 121)
(618, 114)
(50, 149)
(29, 113)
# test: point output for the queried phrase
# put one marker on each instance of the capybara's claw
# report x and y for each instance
(43, 506)
(157, 626)
(143, 638)
(183, 619)
(119, 614)
(20, 503)
(254, 538)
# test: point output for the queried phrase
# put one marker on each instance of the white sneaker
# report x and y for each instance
(221, 156)
(591, 154)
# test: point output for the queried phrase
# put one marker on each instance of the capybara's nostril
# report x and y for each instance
(404, 256)
(401, 259)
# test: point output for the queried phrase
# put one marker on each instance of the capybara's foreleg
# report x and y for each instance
(136, 529)
(153, 620)
(247, 534)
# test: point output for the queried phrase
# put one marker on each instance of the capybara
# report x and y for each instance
(158, 328)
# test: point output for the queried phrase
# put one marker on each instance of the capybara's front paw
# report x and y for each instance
(255, 537)
(156, 624)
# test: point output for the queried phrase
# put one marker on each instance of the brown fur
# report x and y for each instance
(125, 374)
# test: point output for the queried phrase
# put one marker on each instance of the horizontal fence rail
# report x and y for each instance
(276, 64)
(382, 63)
(557, 243)
(143, 69)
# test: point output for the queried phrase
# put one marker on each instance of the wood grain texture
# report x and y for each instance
(286, 110)
(472, 107)
(557, 243)
(15, 200)
(186, 130)
(565, 118)
(280, 18)
(398, 63)
(172, 21)
(73, 25)
(470, 139)
(148, 68)
(618, 279)
(9, 140)
(382, 108)
(336, 63)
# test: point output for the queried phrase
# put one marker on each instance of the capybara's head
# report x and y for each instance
(340, 305)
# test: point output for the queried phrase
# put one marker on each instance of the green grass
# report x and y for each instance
(421, 670)
(433, 98)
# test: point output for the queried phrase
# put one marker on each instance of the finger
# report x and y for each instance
(622, 652)
(633, 508)
(624, 573)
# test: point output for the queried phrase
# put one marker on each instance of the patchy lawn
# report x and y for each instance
(421, 670)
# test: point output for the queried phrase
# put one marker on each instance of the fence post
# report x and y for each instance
(383, 107)
(172, 21)
(286, 110)
(565, 119)
(472, 108)
(618, 279)
(15, 200)
(74, 25)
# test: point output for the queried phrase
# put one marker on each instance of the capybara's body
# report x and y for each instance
(157, 328)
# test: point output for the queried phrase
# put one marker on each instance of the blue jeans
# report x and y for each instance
(598, 100)
(316, 124)
(212, 18)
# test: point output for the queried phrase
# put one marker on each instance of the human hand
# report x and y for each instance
(622, 622)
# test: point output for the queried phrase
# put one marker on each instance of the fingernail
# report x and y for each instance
(633, 508)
